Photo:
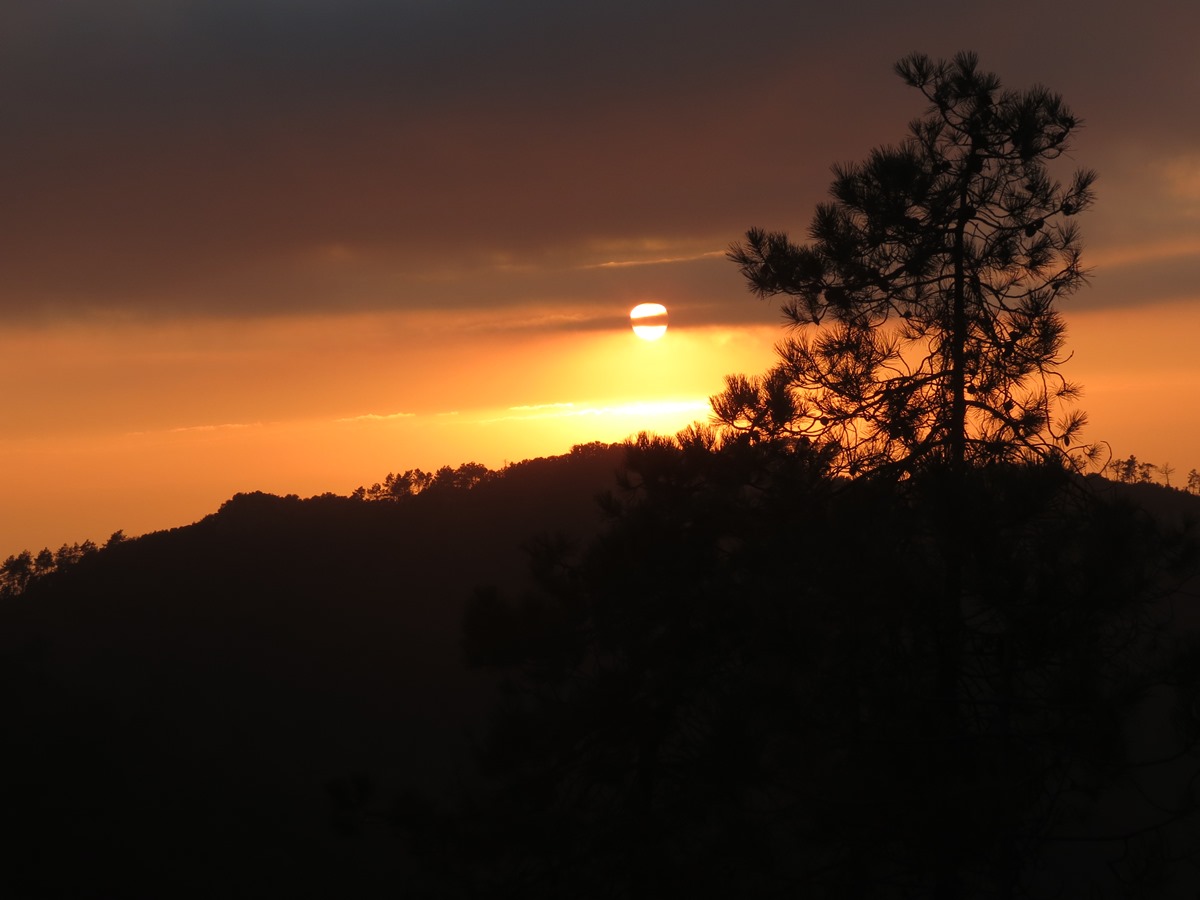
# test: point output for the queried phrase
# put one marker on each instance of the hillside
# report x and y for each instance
(230, 709)
(187, 712)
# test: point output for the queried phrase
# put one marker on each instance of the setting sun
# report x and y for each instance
(649, 321)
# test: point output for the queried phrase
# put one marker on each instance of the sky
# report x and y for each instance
(294, 245)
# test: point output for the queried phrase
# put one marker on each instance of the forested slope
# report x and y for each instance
(198, 712)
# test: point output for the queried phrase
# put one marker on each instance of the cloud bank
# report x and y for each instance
(258, 157)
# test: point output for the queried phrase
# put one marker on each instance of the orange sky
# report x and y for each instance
(291, 247)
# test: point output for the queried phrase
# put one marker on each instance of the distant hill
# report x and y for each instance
(197, 712)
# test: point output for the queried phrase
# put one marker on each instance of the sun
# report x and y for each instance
(649, 321)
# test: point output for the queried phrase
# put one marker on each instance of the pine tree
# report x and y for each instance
(925, 303)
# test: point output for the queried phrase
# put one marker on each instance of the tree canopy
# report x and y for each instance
(924, 303)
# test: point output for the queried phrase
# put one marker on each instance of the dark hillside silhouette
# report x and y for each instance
(211, 711)
(735, 691)
(273, 701)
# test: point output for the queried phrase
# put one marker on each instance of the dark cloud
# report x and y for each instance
(188, 158)
(1157, 281)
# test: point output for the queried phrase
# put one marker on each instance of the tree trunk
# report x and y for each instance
(949, 631)
(958, 346)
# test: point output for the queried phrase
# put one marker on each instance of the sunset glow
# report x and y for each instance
(361, 237)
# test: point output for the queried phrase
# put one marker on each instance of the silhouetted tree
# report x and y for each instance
(15, 573)
(1193, 482)
(396, 486)
(465, 477)
(401, 486)
(1127, 470)
(591, 449)
(69, 554)
(929, 339)
(21, 570)
(932, 278)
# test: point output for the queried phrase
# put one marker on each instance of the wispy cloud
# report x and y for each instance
(547, 321)
(541, 406)
(660, 261)
(225, 426)
(377, 417)
(1134, 254)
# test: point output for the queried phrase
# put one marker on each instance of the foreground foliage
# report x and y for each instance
(738, 691)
